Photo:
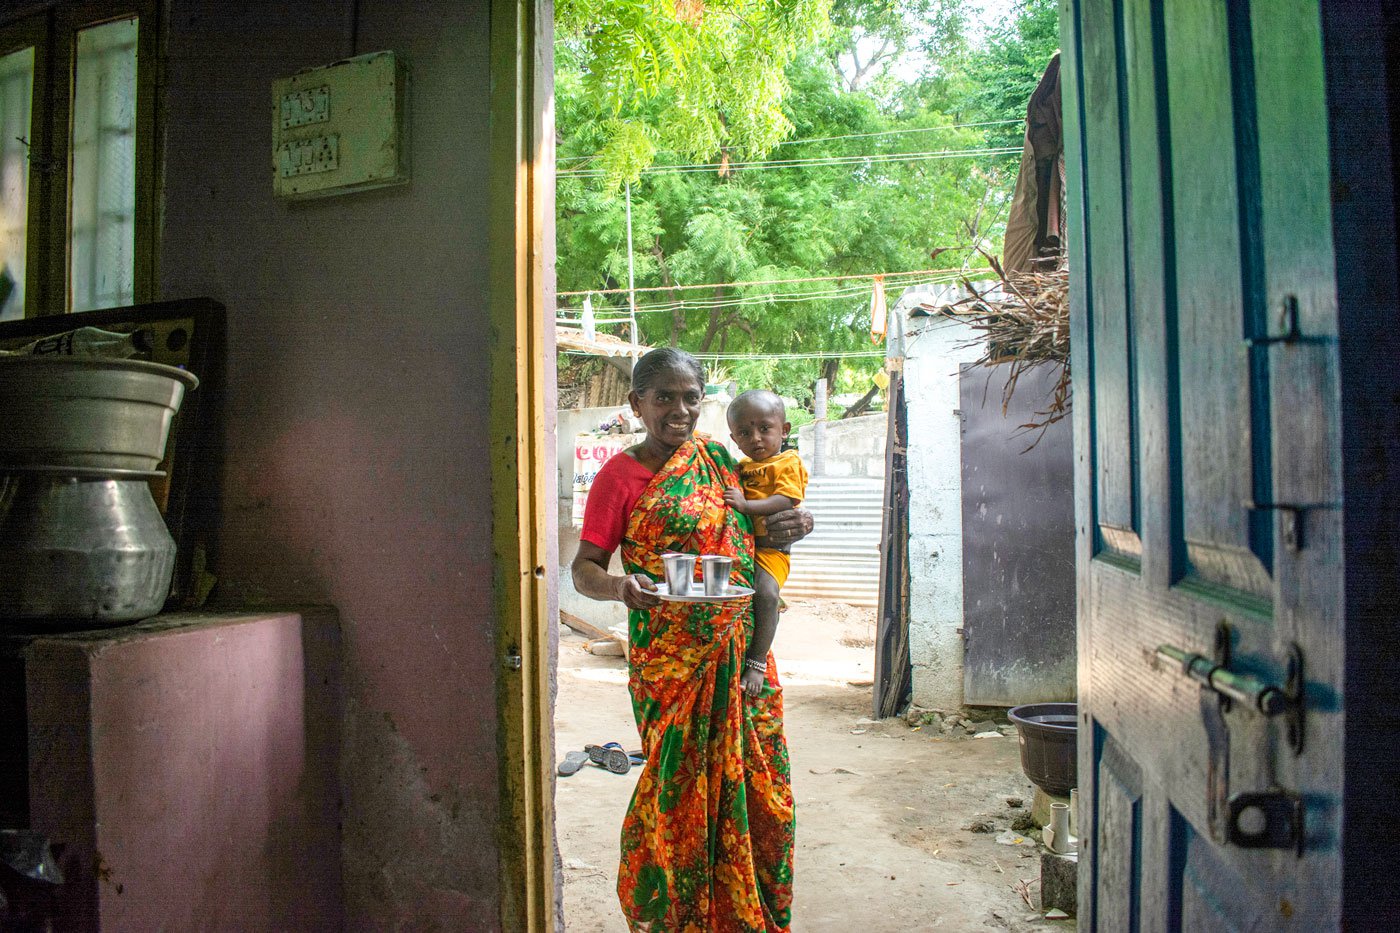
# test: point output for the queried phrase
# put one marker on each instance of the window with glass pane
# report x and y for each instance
(102, 193)
(16, 99)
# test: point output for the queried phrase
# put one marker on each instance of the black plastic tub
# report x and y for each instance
(1049, 734)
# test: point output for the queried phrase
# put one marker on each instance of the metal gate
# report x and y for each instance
(1018, 542)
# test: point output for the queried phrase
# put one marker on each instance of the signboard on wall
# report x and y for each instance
(591, 451)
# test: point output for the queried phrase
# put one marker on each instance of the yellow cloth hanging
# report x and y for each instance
(878, 312)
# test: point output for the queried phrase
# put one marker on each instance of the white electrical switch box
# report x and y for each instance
(341, 127)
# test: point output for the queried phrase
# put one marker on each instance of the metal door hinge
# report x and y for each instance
(1292, 328)
(1292, 514)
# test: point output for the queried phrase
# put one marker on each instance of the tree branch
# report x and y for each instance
(678, 315)
(713, 327)
(861, 404)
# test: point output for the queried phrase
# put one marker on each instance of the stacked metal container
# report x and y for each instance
(81, 539)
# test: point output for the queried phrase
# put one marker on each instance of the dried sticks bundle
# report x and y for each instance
(1025, 322)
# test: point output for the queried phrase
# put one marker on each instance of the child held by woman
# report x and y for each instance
(771, 480)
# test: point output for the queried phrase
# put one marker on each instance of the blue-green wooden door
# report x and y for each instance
(1197, 151)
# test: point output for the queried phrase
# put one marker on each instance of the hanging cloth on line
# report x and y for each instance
(590, 331)
(879, 313)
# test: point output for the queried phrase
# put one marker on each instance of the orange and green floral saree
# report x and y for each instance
(707, 841)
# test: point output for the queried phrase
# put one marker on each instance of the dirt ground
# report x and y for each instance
(882, 807)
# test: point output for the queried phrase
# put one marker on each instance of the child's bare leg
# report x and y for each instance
(765, 626)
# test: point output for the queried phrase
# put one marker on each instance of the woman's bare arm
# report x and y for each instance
(591, 578)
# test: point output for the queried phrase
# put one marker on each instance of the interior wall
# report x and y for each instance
(355, 447)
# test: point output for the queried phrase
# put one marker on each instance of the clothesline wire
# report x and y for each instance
(705, 304)
(722, 357)
(815, 278)
(816, 162)
(827, 139)
(856, 289)
(803, 160)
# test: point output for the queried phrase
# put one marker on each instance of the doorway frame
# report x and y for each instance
(521, 445)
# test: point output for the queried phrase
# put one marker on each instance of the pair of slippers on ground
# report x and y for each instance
(611, 756)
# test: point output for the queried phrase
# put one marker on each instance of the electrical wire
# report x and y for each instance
(737, 357)
(827, 355)
(861, 292)
(815, 162)
(697, 304)
(827, 139)
(815, 278)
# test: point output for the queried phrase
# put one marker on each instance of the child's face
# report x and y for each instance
(758, 431)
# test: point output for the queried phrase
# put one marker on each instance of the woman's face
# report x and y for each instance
(670, 406)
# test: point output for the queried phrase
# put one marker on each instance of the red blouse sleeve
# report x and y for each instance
(614, 492)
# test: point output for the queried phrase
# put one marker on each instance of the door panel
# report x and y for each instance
(1111, 368)
(1119, 833)
(1197, 150)
(1212, 262)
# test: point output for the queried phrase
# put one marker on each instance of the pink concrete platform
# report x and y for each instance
(188, 765)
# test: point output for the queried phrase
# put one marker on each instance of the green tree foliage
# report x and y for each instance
(1000, 77)
(870, 36)
(690, 76)
(895, 196)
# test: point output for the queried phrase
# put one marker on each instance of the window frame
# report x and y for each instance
(34, 32)
(53, 34)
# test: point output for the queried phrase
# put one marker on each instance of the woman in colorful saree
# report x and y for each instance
(707, 840)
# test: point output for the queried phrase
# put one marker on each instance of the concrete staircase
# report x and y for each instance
(840, 559)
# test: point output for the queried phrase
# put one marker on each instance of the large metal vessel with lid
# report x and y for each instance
(81, 539)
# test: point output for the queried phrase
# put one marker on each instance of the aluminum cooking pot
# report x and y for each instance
(89, 550)
(86, 413)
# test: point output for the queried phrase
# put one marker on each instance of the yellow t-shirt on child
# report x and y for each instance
(782, 474)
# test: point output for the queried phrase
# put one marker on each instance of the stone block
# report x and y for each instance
(1059, 882)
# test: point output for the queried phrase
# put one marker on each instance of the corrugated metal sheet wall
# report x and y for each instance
(840, 560)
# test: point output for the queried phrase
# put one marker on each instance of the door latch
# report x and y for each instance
(1249, 691)
(1245, 689)
(1271, 819)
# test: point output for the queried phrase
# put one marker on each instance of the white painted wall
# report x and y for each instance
(933, 352)
(855, 447)
(575, 421)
